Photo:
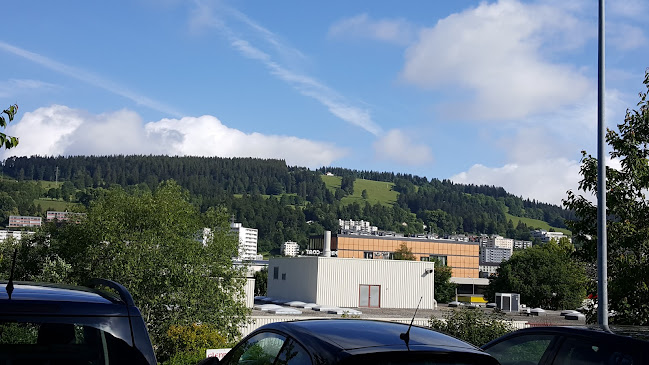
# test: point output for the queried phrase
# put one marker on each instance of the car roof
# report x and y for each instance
(569, 331)
(355, 334)
(57, 299)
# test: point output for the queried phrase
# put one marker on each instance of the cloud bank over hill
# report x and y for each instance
(60, 130)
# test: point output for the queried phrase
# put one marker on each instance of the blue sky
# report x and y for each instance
(495, 92)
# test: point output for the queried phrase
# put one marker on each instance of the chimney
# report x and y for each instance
(326, 251)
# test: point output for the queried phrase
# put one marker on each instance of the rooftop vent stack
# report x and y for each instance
(326, 252)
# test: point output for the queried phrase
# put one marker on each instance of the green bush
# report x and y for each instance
(472, 325)
(184, 343)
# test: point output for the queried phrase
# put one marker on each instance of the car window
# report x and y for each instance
(521, 350)
(62, 343)
(583, 351)
(293, 354)
(260, 349)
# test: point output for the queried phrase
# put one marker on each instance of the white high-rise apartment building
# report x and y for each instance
(494, 255)
(247, 241)
(290, 248)
(500, 242)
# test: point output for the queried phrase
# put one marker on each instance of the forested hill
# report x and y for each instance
(243, 185)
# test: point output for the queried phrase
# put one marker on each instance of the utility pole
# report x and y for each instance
(602, 259)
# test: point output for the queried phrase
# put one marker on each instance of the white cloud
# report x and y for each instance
(495, 54)
(396, 146)
(545, 180)
(60, 130)
(397, 31)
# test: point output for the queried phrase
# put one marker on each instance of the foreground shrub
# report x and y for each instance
(472, 325)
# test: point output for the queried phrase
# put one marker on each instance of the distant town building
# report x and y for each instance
(546, 236)
(63, 216)
(17, 235)
(494, 255)
(290, 248)
(488, 269)
(247, 241)
(352, 226)
(500, 242)
(24, 221)
(461, 257)
(519, 244)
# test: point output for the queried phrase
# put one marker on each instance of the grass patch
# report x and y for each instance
(47, 185)
(332, 182)
(56, 205)
(536, 224)
(377, 191)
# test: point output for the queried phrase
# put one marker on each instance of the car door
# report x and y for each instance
(528, 349)
(580, 350)
(266, 348)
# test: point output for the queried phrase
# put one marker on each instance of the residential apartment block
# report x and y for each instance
(357, 226)
(24, 221)
(247, 241)
(290, 248)
(17, 235)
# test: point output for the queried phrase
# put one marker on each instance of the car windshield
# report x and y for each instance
(64, 343)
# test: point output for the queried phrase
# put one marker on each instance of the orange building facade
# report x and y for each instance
(462, 257)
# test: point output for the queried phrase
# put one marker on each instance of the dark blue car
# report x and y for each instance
(350, 341)
(58, 324)
(568, 345)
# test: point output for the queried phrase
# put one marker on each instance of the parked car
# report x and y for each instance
(567, 345)
(350, 341)
(52, 324)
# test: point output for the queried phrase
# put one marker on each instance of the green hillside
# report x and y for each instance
(377, 191)
(57, 205)
(535, 223)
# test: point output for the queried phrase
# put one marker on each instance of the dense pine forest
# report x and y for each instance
(282, 202)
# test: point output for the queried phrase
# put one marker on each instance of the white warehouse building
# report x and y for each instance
(352, 283)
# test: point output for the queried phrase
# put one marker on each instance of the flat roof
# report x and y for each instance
(397, 238)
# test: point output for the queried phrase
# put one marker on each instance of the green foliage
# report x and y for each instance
(473, 326)
(261, 281)
(536, 224)
(5, 140)
(404, 253)
(627, 214)
(444, 288)
(147, 241)
(545, 276)
(364, 194)
(187, 344)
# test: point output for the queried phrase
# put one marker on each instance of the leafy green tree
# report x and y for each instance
(444, 288)
(148, 241)
(5, 140)
(545, 276)
(261, 281)
(364, 194)
(404, 253)
(473, 326)
(627, 215)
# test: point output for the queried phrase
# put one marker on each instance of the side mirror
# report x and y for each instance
(209, 361)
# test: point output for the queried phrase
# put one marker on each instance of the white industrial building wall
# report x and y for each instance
(402, 282)
(297, 278)
(249, 291)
